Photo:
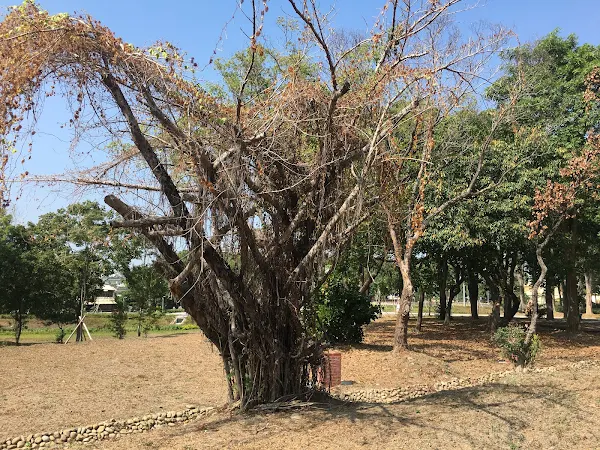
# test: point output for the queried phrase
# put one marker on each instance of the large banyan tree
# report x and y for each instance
(247, 197)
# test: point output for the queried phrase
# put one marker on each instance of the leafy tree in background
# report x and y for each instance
(145, 290)
(555, 104)
(118, 319)
(36, 277)
(79, 235)
(17, 283)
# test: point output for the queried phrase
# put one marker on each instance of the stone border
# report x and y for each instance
(398, 395)
(110, 429)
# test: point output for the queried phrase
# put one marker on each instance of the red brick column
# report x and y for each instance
(330, 374)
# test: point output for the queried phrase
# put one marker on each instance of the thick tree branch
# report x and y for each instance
(158, 170)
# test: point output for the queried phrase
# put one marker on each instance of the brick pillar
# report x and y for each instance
(330, 374)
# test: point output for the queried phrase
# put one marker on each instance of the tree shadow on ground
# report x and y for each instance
(509, 406)
(22, 344)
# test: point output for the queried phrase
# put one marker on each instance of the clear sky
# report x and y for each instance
(195, 26)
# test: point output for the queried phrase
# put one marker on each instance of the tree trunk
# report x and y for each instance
(18, 317)
(571, 306)
(401, 332)
(495, 300)
(534, 292)
(562, 288)
(79, 336)
(473, 285)
(572, 302)
(507, 307)
(571, 294)
(420, 314)
(454, 290)
(264, 361)
(442, 282)
(494, 317)
(521, 279)
(588, 294)
(448, 315)
(511, 306)
(549, 294)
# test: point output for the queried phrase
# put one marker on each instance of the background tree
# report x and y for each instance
(555, 104)
(36, 277)
(145, 290)
(17, 291)
(79, 236)
(118, 319)
(416, 190)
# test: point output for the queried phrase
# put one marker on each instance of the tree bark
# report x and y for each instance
(571, 294)
(473, 285)
(534, 292)
(521, 279)
(562, 289)
(588, 294)
(572, 301)
(511, 302)
(549, 294)
(401, 331)
(454, 290)
(18, 317)
(442, 282)
(420, 313)
(494, 320)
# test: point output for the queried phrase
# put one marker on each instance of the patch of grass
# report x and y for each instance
(483, 309)
(46, 335)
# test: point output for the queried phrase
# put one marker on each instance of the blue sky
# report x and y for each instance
(195, 26)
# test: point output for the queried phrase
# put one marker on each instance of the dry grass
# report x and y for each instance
(46, 387)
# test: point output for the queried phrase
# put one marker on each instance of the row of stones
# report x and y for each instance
(105, 430)
(404, 394)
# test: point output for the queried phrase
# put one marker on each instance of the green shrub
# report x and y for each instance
(342, 313)
(59, 337)
(118, 319)
(511, 340)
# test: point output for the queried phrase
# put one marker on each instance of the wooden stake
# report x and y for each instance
(80, 323)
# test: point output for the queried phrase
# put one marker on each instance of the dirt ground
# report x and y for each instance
(524, 411)
(47, 387)
(462, 350)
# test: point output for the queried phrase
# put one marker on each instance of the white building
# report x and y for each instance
(105, 302)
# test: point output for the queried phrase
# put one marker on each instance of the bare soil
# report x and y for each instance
(437, 353)
(48, 387)
(526, 411)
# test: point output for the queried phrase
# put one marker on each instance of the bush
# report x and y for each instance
(511, 340)
(118, 319)
(59, 337)
(342, 313)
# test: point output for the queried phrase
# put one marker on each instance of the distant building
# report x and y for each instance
(106, 302)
